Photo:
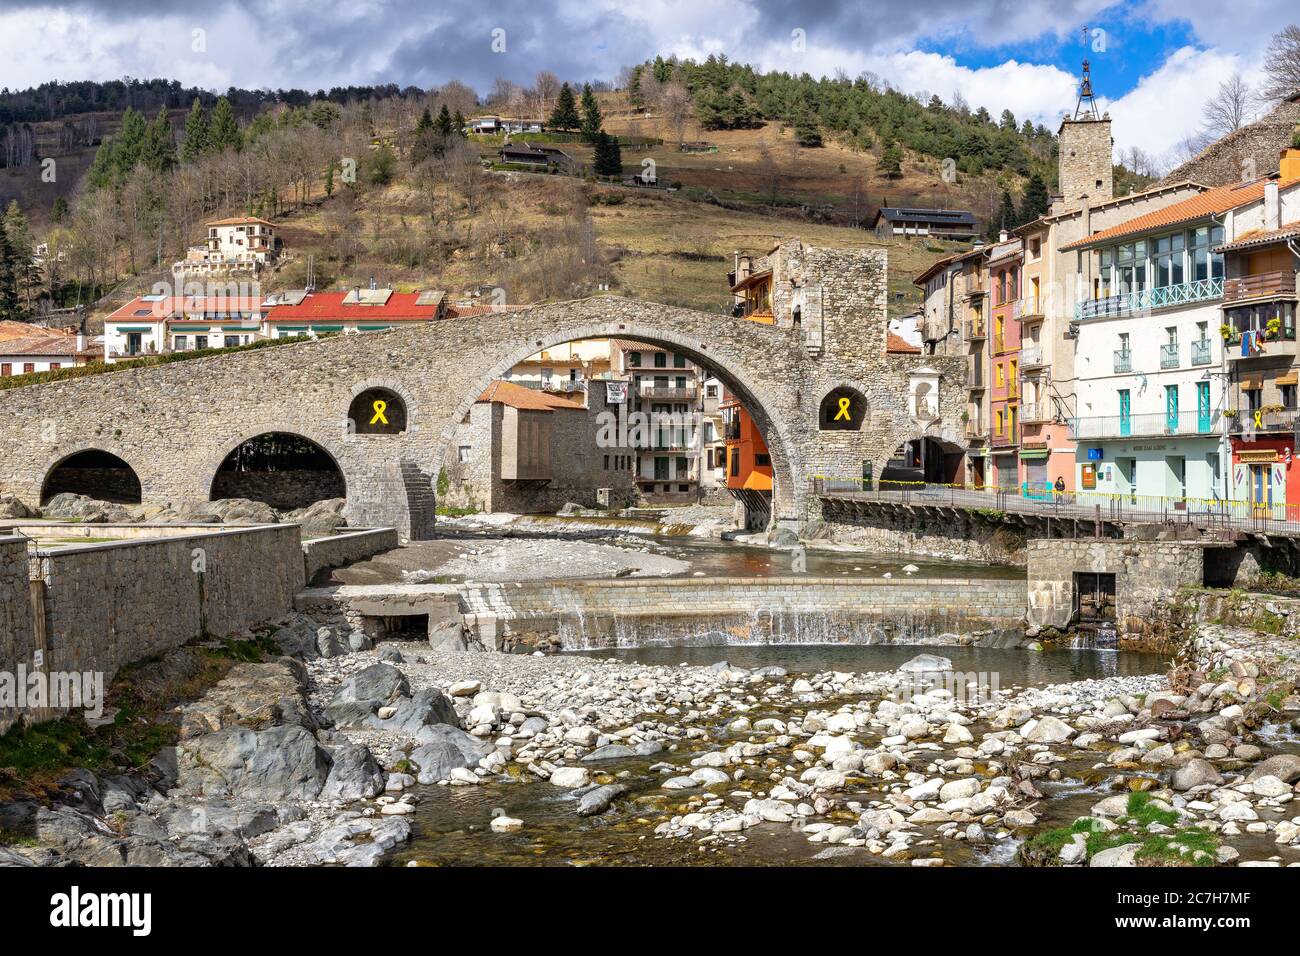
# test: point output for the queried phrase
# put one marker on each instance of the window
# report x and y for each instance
(999, 375)
(763, 461)
(6, 369)
(1168, 260)
(462, 453)
(1124, 342)
(661, 360)
(734, 453)
(634, 359)
(1204, 264)
(1171, 335)
(29, 367)
(229, 340)
(179, 343)
(607, 462)
(997, 422)
(1287, 393)
(200, 341)
(711, 391)
(55, 366)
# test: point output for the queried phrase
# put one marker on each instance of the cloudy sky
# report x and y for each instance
(1154, 61)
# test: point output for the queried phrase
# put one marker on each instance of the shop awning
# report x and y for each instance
(1253, 383)
(1288, 379)
(1033, 453)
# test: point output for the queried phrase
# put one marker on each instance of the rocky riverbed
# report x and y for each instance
(403, 754)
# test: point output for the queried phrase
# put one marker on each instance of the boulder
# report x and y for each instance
(273, 765)
(570, 777)
(1286, 767)
(926, 664)
(598, 800)
(354, 774)
(1116, 856)
(1050, 730)
(1196, 773)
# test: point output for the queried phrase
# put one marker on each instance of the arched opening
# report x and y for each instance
(611, 420)
(283, 470)
(926, 460)
(96, 474)
(842, 409)
(377, 411)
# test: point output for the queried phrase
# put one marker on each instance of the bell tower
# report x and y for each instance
(1085, 161)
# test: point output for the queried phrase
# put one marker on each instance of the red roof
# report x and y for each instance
(897, 343)
(325, 306)
(519, 396)
(1209, 203)
(150, 309)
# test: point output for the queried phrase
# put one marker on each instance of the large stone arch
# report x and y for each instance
(788, 488)
(230, 447)
(47, 473)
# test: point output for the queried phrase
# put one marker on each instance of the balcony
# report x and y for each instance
(1031, 355)
(1145, 300)
(976, 431)
(1031, 308)
(1145, 425)
(1201, 352)
(668, 393)
(999, 343)
(974, 287)
(975, 331)
(1281, 342)
(975, 378)
(1272, 420)
(1123, 361)
(1035, 413)
(1169, 355)
(1003, 439)
(1266, 285)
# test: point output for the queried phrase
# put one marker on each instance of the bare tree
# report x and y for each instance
(674, 103)
(1229, 109)
(546, 86)
(1282, 64)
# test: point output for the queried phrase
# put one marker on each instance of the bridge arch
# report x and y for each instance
(758, 395)
(95, 472)
(281, 468)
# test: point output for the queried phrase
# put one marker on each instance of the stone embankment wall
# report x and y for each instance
(286, 490)
(933, 533)
(100, 606)
(336, 550)
(1150, 578)
(645, 611)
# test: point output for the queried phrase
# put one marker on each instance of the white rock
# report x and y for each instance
(570, 777)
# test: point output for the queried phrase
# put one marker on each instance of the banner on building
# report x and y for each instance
(616, 393)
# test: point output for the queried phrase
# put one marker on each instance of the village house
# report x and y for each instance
(908, 222)
(1159, 385)
(240, 244)
(537, 156)
(26, 348)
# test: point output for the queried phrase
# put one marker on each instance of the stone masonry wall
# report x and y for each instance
(1148, 578)
(107, 605)
(1254, 150)
(17, 639)
(174, 424)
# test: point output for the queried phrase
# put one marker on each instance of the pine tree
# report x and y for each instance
(20, 239)
(591, 118)
(59, 210)
(459, 122)
(635, 96)
(329, 178)
(158, 151)
(196, 139)
(565, 115)
(607, 156)
(891, 160)
(1005, 218)
(8, 277)
(128, 146)
(225, 128)
(426, 122)
(444, 126)
(806, 131)
(1035, 202)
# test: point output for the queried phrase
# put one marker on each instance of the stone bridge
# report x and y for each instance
(175, 423)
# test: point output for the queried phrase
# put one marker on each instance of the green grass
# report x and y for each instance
(447, 511)
(1189, 846)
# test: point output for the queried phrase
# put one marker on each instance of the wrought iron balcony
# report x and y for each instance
(975, 331)
(1123, 360)
(1269, 420)
(1145, 425)
(1201, 352)
(1145, 300)
(1031, 355)
(1169, 355)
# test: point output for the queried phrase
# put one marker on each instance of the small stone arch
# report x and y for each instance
(283, 469)
(377, 411)
(843, 408)
(95, 473)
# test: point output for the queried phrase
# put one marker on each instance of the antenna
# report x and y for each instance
(1086, 107)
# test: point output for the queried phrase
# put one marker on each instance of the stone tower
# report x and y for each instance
(1085, 163)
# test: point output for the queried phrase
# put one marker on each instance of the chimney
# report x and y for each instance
(81, 342)
(1272, 206)
(1003, 236)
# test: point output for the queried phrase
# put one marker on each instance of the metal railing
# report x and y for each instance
(975, 331)
(1123, 360)
(1146, 424)
(1031, 355)
(1144, 300)
(1169, 355)
(1035, 412)
(1201, 352)
(1041, 499)
(667, 392)
(1246, 421)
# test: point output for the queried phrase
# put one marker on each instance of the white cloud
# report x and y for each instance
(1165, 106)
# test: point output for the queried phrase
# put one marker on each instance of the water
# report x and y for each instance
(1015, 667)
(451, 824)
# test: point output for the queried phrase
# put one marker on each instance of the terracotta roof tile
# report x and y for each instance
(1261, 237)
(519, 396)
(1209, 203)
(326, 306)
(896, 343)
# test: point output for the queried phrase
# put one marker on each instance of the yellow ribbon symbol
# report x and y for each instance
(844, 410)
(1259, 418)
(380, 407)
